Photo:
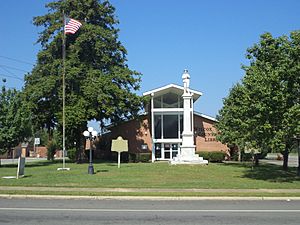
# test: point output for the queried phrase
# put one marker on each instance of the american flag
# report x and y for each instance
(71, 25)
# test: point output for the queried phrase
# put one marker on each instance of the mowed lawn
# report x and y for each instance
(153, 175)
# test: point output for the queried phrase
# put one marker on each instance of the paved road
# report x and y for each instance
(271, 158)
(146, 212)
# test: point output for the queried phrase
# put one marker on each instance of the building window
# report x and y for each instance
(157, 102)
(181, 126)
(157, 126)
(170, 126)
(157, 150)
(167, 148)
(170, 100)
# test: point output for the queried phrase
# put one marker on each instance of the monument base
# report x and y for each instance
(188, 156)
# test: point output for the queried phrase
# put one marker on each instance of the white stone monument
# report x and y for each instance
(187, 154)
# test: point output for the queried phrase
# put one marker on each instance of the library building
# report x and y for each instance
(169, 128)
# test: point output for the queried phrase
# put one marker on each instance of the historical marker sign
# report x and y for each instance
(119, 145)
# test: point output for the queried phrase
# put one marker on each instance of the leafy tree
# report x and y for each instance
(232, 122)
(271, 97)
(14, 119)
(99, 84)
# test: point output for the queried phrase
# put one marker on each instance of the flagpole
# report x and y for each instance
(64, 95)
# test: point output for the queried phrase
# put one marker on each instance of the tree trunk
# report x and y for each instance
(256, 159)
(285, 158)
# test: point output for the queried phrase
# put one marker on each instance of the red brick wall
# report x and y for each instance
(137, 132)
(205, 135)
(41, 151)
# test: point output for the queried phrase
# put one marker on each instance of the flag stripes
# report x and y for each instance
(71, 25)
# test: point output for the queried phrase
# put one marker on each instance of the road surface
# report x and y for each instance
(146, 212)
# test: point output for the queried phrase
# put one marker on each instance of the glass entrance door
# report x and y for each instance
(174, 150)
(166, 151)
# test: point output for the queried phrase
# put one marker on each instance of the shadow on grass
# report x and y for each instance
(102, 171)
(268, 172)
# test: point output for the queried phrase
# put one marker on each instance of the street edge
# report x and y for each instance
(68, 197)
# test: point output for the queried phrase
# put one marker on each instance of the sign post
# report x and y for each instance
(37, 141)
(119, 145)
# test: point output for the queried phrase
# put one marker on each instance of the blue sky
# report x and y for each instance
(164, 37)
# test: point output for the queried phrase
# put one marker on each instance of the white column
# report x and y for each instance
(187, 134)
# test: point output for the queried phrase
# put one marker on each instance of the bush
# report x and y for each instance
(213, 156)
(144, 157)
(131, 157)
(51, 149)
(205, 155)
(72, 154)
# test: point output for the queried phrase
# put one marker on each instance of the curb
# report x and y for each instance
(152, 198)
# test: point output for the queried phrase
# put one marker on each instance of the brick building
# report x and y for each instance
(159, 130)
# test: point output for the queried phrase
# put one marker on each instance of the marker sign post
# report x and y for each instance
(119, 145)
(37, 141)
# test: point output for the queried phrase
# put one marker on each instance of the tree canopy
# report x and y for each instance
(264, 108)
(14, 119)
(99, 84)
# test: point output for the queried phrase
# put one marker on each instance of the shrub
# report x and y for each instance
(124, 157)
(205, 155)
(131, 157)
(213, 156)
(144, 157)
(72, 154)
(51, 149)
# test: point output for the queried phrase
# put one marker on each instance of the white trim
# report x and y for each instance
(170, 86)
(170, 140)
(205, 116)
(167, 110)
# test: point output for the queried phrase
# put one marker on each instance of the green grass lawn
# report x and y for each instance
(153, 175)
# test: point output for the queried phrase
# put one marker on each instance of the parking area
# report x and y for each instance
(272, 159)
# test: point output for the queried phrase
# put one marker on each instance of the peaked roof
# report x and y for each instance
(171, 88)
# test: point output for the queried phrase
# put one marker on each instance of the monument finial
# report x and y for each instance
(186, 80)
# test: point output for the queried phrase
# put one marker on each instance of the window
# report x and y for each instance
(170, 100)
(157, 102)
(157, 126)
(157, 150)
(170, 126)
